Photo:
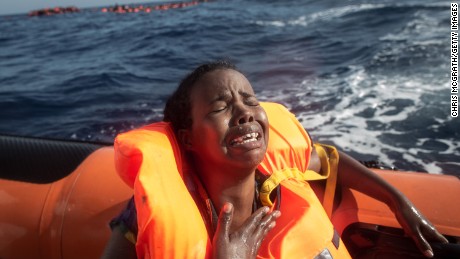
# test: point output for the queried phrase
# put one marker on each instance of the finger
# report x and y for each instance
(266, 225)
(261, 236)
(423, 245)
(225, 221)
(253, 221)
(438, 236)
(433, 234)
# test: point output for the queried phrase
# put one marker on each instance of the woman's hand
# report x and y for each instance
(417, 226)
(354, 175)
(246, 241)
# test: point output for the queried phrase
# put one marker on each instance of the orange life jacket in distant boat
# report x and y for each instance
(169, 221)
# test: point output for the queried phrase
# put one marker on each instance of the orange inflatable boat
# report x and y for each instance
(57, 197)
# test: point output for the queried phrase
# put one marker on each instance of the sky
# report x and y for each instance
(25, 6)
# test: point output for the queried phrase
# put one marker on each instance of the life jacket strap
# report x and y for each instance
(329, 163)
(329, 158)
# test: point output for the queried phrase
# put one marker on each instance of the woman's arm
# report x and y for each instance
(354, 175)
(124, 230)
(119, 246)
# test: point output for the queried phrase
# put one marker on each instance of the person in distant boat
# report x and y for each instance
(53, 11)
(222, 132)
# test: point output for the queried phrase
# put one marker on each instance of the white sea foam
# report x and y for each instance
(344, 10)
(343, 124)
(271, 23)
(422, 23)
(420, 30)
(333, 13)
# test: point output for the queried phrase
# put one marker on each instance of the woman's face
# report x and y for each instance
(229, 127)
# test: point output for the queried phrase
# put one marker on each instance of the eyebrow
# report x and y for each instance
(226, 96)
(221, 97)
(245, 94)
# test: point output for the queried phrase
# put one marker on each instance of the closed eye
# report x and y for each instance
(219, 109)
(252, 102)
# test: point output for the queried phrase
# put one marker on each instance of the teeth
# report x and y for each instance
(250, 137)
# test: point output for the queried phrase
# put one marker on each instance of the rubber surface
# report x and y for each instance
(40, 160)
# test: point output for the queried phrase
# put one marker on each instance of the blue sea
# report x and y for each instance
(371, 77)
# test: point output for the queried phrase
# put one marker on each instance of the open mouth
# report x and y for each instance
(250, 137)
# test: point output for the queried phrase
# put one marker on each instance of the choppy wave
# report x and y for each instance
(377, 117)
(368, 76)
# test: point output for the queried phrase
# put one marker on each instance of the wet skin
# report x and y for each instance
(222, 102)
(224, 109)
(228, 139)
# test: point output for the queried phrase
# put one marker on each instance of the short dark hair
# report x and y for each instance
(178, 108)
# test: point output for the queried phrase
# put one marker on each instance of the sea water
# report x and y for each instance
(371, 77)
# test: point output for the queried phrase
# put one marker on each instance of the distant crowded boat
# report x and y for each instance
(117, 8)
(54, 11)
(148, 9)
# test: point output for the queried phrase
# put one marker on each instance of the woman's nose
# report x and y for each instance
(242, 114)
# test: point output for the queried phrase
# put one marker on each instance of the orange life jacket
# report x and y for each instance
(170, 224)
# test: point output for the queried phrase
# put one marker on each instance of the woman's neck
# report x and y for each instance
(230, 185)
